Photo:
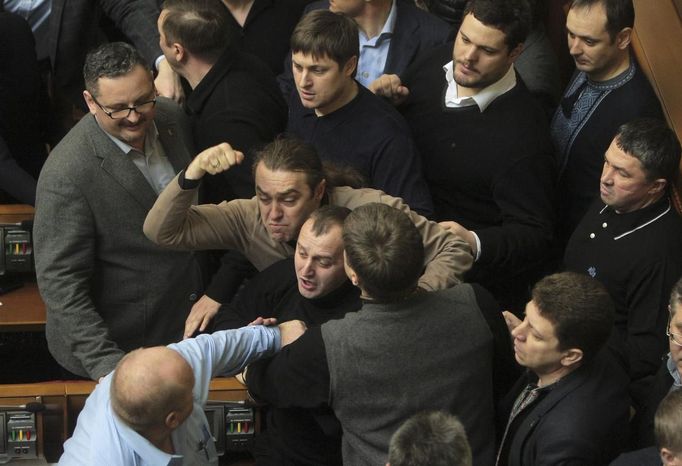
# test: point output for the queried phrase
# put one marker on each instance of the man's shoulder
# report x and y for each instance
(409, 16)
(318, 5)
(372, 112)
(78, 148)
(346, 196)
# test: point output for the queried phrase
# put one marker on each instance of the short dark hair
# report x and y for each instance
(327, 217)
(668, 422)
(293, 155)
(322, 33)
(580, 309)
(385, 250)
(110, 60)
(430, 439)
(201, 26)
(654, 144)
(512, 17)
(676, 296)
(620, 14)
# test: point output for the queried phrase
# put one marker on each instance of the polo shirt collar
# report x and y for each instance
(622, 225)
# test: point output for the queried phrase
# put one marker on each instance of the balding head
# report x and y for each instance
(152, 388)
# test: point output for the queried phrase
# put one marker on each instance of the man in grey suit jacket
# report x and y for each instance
(107, 288)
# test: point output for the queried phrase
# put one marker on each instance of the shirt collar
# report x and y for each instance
(386, 31)
(143, 447)
(484, 97)
(627, 223)
(151, 136)
(674, 373)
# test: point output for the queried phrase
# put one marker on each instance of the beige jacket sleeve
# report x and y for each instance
(175, 223)
(446, 256)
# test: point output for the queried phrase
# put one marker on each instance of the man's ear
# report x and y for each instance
(350, 273)
(90, 101)
(667, 457)
(320, 190)
(349, 67)
(623, 38)
(179, 52)
(658, 186)
(173, 420)
(515, 52)
(571, 357)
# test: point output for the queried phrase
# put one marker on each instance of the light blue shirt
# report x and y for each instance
(374, 51)
(101, 438)
(37, 14)
(674, 373)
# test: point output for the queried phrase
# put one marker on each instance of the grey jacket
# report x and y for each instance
(107, 288)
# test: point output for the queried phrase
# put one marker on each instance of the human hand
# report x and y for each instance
(463, 233)
(390, 86)
(264, 321)
(213, 160)
(168, 84)
(511, 320)
(291, 331)
(201, 314)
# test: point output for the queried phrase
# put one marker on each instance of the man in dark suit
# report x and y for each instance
(66, 29)
(392, 33)
(22, 111)
(668, 449)
(108, 289)
(669, 375)
(572, 406)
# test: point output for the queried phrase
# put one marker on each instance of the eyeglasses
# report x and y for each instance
(119, 114)
(674, 337)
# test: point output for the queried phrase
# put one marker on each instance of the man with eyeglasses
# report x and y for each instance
(108, 289)
(669, 376)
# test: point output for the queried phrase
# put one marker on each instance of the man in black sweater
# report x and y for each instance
(234, 99)
(485, 146)
(311, 287)
(347, 124)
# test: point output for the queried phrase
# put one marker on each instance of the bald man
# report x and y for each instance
(149, 410)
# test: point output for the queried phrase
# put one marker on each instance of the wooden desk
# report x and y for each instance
(15, 213)
(22, 310)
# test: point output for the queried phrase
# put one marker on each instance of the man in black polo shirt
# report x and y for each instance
(346, 123)
(629, 240)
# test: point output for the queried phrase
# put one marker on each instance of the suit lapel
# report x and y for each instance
(404, 41)
(120, 167)
(54, 26)
(558, 393)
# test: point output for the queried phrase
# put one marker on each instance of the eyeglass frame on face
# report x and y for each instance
(671, 335)
(110, 113)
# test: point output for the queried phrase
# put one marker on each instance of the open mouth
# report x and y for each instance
(306, 284)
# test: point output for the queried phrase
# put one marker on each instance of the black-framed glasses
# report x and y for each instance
(674, 337)
(119, 114)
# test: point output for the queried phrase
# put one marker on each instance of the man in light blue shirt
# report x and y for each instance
(149, 410)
